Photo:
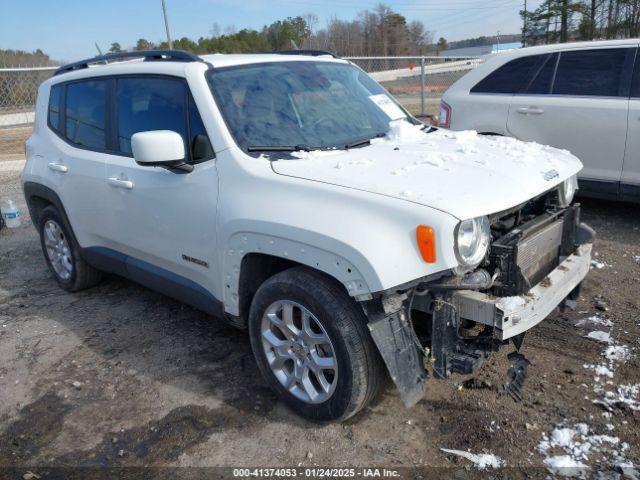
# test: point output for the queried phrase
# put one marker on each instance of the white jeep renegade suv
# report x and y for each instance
(291, 195)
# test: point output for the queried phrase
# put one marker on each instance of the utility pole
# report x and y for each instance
(166, 25)
(524, 25)
(498, 42)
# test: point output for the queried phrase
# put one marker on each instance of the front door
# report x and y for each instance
(164, 220)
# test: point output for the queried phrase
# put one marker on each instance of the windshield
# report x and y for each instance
(299, 104)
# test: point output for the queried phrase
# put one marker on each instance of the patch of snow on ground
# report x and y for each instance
(600, 336)
(594, 320)
(598, 264)
(624, 396)
(600, 370)
(481, 460)
(568, 449)
(617, 353)
(565, 465)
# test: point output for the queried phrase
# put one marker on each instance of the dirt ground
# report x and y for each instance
(121, 376)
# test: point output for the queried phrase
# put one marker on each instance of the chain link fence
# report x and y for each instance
(18, 92)
(417, 82)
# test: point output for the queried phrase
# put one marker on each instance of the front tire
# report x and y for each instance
(312, 345)
(62, 253)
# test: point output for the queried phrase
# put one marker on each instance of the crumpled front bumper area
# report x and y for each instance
(511, 316)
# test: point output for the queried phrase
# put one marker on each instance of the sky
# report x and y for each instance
(68, 29)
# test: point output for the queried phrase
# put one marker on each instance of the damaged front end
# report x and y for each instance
(538, 256)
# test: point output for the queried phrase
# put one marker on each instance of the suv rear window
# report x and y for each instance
(511, 77)
(591, 72)
(85, 113)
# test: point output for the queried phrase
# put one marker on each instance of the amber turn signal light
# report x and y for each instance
(426, 243)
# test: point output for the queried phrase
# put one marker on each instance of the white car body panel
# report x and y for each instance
(458, 173)
(569, 122)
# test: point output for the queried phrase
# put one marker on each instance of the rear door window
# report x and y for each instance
(541, 84)
(85, 113)
(591, 73)
(510, 78)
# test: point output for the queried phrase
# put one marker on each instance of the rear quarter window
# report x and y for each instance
(591, 72)
(55, 99)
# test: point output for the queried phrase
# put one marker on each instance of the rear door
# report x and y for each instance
(630, 182)
(579, 101)
(77, 114)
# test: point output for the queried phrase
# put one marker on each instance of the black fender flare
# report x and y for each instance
(33, 191)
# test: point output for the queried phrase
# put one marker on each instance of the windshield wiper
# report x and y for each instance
(363, 141)
(279, 148)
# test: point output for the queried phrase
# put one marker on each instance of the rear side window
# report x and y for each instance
(85, 113)
(510, 78)
(145, 104)
(55, 98)
(541, 84)
(591, 72)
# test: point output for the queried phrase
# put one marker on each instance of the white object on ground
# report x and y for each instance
(11, 214)
(600, 336)
(565, 466)
(481, 460)
(595, 320)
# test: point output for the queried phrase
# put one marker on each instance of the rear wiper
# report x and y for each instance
(279, 148)
(363, 141)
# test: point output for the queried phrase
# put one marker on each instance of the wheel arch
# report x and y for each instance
(39, 197)
(251, 258)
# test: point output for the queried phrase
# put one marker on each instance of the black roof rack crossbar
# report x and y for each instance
(313, 53)
(149, 55)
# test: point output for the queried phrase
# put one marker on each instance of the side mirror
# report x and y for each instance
(159, 148)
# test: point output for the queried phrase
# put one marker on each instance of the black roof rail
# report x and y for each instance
(311, 52)
(148, 55)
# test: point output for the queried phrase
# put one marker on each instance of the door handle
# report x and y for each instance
(120, 183)
(57, 167)
(530, 111)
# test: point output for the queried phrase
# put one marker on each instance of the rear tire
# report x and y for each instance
(62, 253)
(328, 337)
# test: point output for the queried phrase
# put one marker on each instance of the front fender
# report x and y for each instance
(348, 267)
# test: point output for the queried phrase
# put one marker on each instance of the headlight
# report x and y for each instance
(567, 191)
(472, 242)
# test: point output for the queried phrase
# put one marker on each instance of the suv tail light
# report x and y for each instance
(444, 118)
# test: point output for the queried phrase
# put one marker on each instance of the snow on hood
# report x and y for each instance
(461, 173)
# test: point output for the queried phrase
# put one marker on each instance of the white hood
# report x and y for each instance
(461, 173)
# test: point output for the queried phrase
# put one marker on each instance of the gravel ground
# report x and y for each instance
(120, 376)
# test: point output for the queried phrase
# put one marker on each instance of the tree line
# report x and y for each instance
(378, 32)
(559, 21)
